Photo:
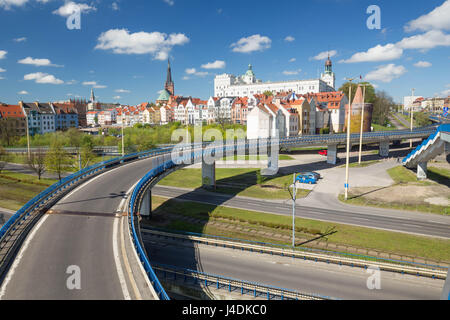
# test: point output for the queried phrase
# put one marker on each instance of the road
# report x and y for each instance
(422, 224)
(79, 232)
(304, 276)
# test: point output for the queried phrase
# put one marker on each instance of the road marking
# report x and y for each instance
(122, 281)
(20, 255)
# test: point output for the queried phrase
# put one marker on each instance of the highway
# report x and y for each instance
(357, 216)
(79, 232)
(304, 276)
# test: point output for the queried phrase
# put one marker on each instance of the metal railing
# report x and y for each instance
(230, 284)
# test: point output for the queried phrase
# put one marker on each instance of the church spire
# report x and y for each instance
(170, 87)
(92, 95)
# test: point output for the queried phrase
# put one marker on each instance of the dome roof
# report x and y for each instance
(164, 96)
(250, 71)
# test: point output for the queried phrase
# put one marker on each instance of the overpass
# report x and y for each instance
(37, 247)
(436, 144)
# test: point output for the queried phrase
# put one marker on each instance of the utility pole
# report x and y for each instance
(411, 112)
(28, 138)
(294, 198)
(362, 122)
(349, 113)
(123, 140)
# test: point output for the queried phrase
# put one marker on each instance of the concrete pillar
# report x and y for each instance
(146, 206)
(384, 149)
(273, 152)
(422, 170)
(209, 175)
(446, 290)
(332, 153)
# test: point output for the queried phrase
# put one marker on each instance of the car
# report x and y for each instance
(306, 178)
(323, 152)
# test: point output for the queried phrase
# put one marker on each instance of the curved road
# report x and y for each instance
(77, 232)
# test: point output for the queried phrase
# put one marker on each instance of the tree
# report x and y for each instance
(268, 93)
(381, 108)
(57, 159)
(7, 131)
(36, 162)
(421, 119)
(370, 95)
(87, 155)
(4, 158)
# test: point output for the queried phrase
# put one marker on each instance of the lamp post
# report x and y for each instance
(294, 198)
(411, 112)
(347, 163)
(28, 137)
(123, 140)
(362, 122)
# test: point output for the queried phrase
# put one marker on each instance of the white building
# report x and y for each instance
(408, 101)
(227, 85)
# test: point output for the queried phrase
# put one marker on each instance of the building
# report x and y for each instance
(92, 118)
(239, 111)
(41, 117)
(266, 120)
(227, 85)
(12, 121)
(66, 116)
(169, 88)
(303, 114)
(334, 103)
(408, 101)
(356, 113)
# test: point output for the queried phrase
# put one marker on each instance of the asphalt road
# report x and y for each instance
(417, 225)
(79, 233)
(304, 276)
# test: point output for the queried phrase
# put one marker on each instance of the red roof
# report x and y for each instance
(12, 111)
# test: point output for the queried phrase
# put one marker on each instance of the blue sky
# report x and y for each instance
(122, 46)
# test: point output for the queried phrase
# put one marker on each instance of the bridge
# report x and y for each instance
(85, 219)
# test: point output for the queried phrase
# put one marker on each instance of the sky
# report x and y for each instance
(121, 47)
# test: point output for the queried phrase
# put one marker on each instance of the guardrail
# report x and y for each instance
(441, 128)
(231, 284)
(438, 272)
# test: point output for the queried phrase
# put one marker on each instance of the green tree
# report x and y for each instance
(370, 95)
(421, 119)
(268, 93)
(87, 156)
(4, 158)
(57, 159)
(36, 162)
(381, 108)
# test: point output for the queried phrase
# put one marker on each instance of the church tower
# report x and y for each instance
(329, 76)
(169, 86)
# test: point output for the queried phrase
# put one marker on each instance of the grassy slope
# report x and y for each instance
(385, 241)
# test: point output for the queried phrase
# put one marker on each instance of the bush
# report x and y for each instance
(324, 131)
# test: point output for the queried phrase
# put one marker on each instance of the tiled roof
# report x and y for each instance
(13, 111)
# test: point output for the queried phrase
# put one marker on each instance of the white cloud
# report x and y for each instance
(186, 78)
(425, 41)
(159, 44)
(252, 43)
(292, 60)
(2, 70)
(289, 39)
(3, 54)
(7, 4)
(122, 91)
(439, 18)
(1, 78)
(71, 7)
(386, 73)
(422, 64)
(169, 2)
(115, 6)
(71, 82)
(117, 97)
(94, 84)
(22, 92)
(291, 73)
(193, 71)
(40, 77)
(38, 62)
(218, 64)
(22, 39)
(323, 55)
(377, 53)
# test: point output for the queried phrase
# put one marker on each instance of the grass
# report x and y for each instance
(363, 164)
(385, 241)
(248, 157)
(236, 181)
(378, 127)
(17, 188)
(401, 175)
(440, 175)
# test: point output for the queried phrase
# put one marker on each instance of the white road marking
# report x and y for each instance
(122, 281)
(20, 255)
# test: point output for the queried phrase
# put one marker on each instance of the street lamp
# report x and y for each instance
(294, 198)
(347, 163)
(123, 141)
(411, 112)
(362, 121)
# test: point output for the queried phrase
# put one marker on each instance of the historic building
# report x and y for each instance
(169, 88)
(228, 85)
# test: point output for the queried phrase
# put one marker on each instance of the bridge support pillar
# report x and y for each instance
(209, 175)
(273, 152)
(422, 170)
(146, 206)
(332, 153)
(384, 149)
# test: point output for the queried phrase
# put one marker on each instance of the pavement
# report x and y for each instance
(78, 231)
(341, 282)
